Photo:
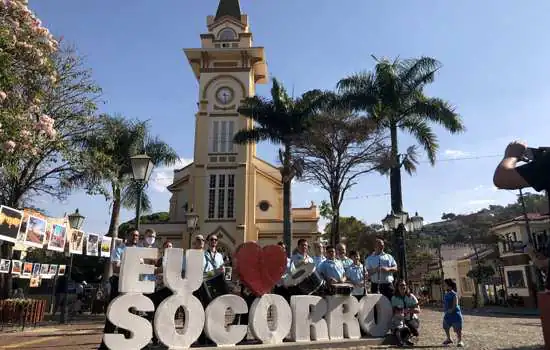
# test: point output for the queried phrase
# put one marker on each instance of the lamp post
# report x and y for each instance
(192, 224)
(142, 167)
(75, 222)
(399, 224)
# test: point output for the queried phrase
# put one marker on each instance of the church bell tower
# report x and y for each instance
(227, 67)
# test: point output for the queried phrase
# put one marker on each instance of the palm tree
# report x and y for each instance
(108, 170)
(393, 96)
(281, 120)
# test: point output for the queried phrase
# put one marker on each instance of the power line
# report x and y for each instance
(159, 178)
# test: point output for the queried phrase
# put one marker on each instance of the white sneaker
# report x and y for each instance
(460, 344)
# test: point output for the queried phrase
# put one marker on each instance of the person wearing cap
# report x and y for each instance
(198, 243)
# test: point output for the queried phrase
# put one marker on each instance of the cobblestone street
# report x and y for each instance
(481, 332)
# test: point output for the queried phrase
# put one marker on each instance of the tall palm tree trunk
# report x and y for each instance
(335, 219)
(287, 200)
(397, 201)
(113, 225)
(395, 172)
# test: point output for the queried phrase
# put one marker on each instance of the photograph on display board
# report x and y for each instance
(92, 244)
(61, 270)
(36, 232)
(45, 270)
(106, 247)
(35, 282)
(76, 241)
(10, 222)
(5, 265)
(27, 270)
(23, 227)
(53, 270)
(16, 267)
(36, 270)
(119, 243)
(57, 239)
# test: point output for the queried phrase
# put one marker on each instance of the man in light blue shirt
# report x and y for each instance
(341, 253)
(332, 269)
(355, 274)
(198, 243)
(381, 267)
(149, 242)
(319, 251)
(301, 256)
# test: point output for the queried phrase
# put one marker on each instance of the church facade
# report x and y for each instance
(235, 194)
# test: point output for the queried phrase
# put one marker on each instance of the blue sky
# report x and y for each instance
(495, 71)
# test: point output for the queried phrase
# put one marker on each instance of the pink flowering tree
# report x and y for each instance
(26, 49)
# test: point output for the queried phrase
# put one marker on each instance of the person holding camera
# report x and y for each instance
(534, 173)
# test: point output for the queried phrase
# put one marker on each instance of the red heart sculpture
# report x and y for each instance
(260, 268)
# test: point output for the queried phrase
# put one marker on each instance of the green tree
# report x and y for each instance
(281, 120)
(356, 234)
(393, 96)
(336, 150)
(107, 167)
(145, 219)
(71, 103)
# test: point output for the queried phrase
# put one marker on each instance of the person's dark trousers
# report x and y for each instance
(386, 289)
(109, 327)
(157, 298)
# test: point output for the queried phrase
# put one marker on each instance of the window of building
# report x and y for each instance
(515, 279)
(222, 136)
(227, 34)
(221, 196)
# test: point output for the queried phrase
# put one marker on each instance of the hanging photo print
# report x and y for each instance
(92, 244)
(16, 267)
(53, 270)
(5, 265)
(45, 271)
(50, 225)
(36, 270)
(76, 241)
(57, 239)
(27, 270)
(36, 232)
(61, 270)
(34, 282)
(10, 222)
(106, 247)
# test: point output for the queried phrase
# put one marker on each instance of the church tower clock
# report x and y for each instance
(221, 181)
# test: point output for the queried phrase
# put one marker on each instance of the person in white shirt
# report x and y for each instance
(301, 256)
(213, 259)
(381, 266)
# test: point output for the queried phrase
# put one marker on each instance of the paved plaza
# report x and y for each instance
(481, 332)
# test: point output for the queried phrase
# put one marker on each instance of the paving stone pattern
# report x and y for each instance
(481, 332)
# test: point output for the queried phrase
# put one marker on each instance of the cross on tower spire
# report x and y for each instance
(230, 8)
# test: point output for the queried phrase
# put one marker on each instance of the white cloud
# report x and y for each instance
(455, 153)
(163, 177)
(481, 202)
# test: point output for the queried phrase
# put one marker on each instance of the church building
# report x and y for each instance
(235, 194)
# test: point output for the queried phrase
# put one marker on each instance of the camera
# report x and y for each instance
(533, 154)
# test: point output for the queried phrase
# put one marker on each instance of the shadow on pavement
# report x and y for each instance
(530, 347)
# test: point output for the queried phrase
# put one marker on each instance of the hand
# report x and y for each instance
(385, 269)
(332, 281)
(515, 149)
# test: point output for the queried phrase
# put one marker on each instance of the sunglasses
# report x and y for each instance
(213, 239)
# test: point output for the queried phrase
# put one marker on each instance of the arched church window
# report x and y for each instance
(227, 34)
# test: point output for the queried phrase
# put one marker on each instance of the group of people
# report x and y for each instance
(332, 263)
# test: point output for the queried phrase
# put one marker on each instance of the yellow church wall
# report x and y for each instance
(267, 190)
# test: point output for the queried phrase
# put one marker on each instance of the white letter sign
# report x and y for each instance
(258, 319)
(215, 320)
(307, 321)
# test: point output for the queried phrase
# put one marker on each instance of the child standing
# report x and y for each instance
(355, 273)
(453, 316)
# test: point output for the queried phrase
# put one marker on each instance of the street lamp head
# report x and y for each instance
(416, 222)
(192, 220)
(390, 222)
(76, 220)
(142, 166)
